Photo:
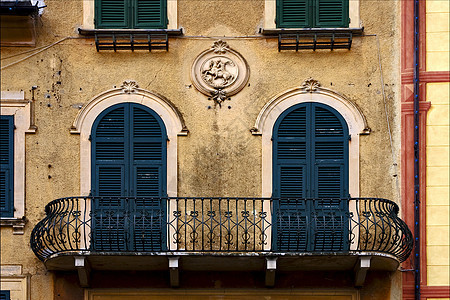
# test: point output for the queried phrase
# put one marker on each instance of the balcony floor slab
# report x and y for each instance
(220, 261)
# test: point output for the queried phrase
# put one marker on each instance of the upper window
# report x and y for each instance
(131, 14)
(312, 13)
(6, 166)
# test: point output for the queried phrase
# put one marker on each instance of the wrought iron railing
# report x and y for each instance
(129, 224)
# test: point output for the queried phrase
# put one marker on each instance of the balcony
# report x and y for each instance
(221, 234)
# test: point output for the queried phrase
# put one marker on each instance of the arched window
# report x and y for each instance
(310, 161)
(129, 165)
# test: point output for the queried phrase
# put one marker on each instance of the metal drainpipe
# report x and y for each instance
(416, 156)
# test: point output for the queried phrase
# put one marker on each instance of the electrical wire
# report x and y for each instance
(22, 53)
(37, 52)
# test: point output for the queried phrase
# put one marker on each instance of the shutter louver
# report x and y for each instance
(331, 13)
(293, 14)
(6, 166)
(112, 14)
(150, 14)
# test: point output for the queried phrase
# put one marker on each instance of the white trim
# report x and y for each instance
(89, 14)
(270, 11)
(14, 104)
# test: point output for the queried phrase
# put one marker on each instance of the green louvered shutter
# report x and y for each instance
(109, 144)
(331, 13)
(330, 159)
(310, 161)
(5, 295)
(149, 140)
(112, 14)
(290, 181)
(128, 14)
(6, 166)
(149, 13)
(293, 14)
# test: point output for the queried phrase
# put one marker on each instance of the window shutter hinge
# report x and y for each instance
(90, 138)
(349, 137)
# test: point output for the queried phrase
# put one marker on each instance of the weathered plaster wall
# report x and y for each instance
(219, 157)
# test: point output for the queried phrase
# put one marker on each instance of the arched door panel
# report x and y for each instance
(128, 179)
(310, 163)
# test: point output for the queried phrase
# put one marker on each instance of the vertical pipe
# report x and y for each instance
(416, 155)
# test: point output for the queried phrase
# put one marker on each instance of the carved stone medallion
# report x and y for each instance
(219, 72)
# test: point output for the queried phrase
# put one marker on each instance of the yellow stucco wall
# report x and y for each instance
(437, 214)
(437, 35)
(438, 184)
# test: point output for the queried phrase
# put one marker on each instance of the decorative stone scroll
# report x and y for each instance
(129, 86)
(310, 85)
(219, 72)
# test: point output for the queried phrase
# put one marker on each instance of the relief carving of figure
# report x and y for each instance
(216, 73)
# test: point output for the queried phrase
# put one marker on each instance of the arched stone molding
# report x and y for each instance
(310, 91)
(129, 91)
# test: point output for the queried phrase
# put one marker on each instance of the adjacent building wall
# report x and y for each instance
(437, 150)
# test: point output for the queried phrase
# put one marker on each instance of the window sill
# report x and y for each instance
(18, 225)
(276, 31)
(93, 32)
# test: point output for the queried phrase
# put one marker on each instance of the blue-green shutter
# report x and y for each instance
(5, 295)
(331, 13)
(330, 184)
(128, 14)
(150, 13)
(129, 155)
(312, 13)
(310, 148)
(291, 180)
(112, 14)
(149, 142)
(293, 14)
(7, 166)
(109, 157)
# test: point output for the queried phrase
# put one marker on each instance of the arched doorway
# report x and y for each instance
(310, 161)
(128, 179)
